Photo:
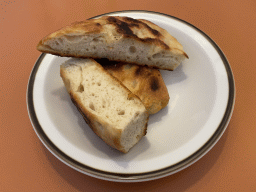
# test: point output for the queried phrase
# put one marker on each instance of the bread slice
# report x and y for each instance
(117, 38)
(147, 83)
(115, 114)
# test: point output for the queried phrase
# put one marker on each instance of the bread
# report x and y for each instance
(145, 82)
(119, 39)
(116, 115)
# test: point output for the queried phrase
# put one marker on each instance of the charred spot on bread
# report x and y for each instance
(135, 22)
(153, 31)
(157, 42)
(125, 28)
(122, 27)
(138, 71)
(112, 19)
(143, 71)
(131, 20)
(110, 65)
(106, 62)
(154, 84)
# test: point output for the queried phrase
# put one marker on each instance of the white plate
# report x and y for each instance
(202, 95)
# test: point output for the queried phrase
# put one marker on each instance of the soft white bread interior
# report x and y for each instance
(117, 38)
(110, 109)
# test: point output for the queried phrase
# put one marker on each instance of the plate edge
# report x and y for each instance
(137, 177)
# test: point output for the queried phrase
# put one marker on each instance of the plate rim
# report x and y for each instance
(145, 176)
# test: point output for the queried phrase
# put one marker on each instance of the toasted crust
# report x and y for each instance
(147, 83)
(113, 30)
(100, 125)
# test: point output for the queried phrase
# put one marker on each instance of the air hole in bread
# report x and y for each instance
(122, 112)
(94, 47)
(103, 103)
(116, 38)
(92, 106)
(87, 49)
(60, 41)
(99, 83)
(80, 88)
(132, 49)
(130, 98)
(112, 88)
(157, 55)
(149, 58)
(73, 38)
(137, 114)
(56, 43)
(95, 39)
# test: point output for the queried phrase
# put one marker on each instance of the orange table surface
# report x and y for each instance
(26, 165)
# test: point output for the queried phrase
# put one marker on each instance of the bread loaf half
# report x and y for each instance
(115, 114)
(117, 38)
(147, 83)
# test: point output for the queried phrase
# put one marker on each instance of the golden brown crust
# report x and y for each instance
(126, 26)
(147, 83)
(82, 27)
(138, 29)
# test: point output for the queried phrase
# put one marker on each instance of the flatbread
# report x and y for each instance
(116, 38)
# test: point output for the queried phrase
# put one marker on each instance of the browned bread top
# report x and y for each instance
(147, 83)
(117, 38)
